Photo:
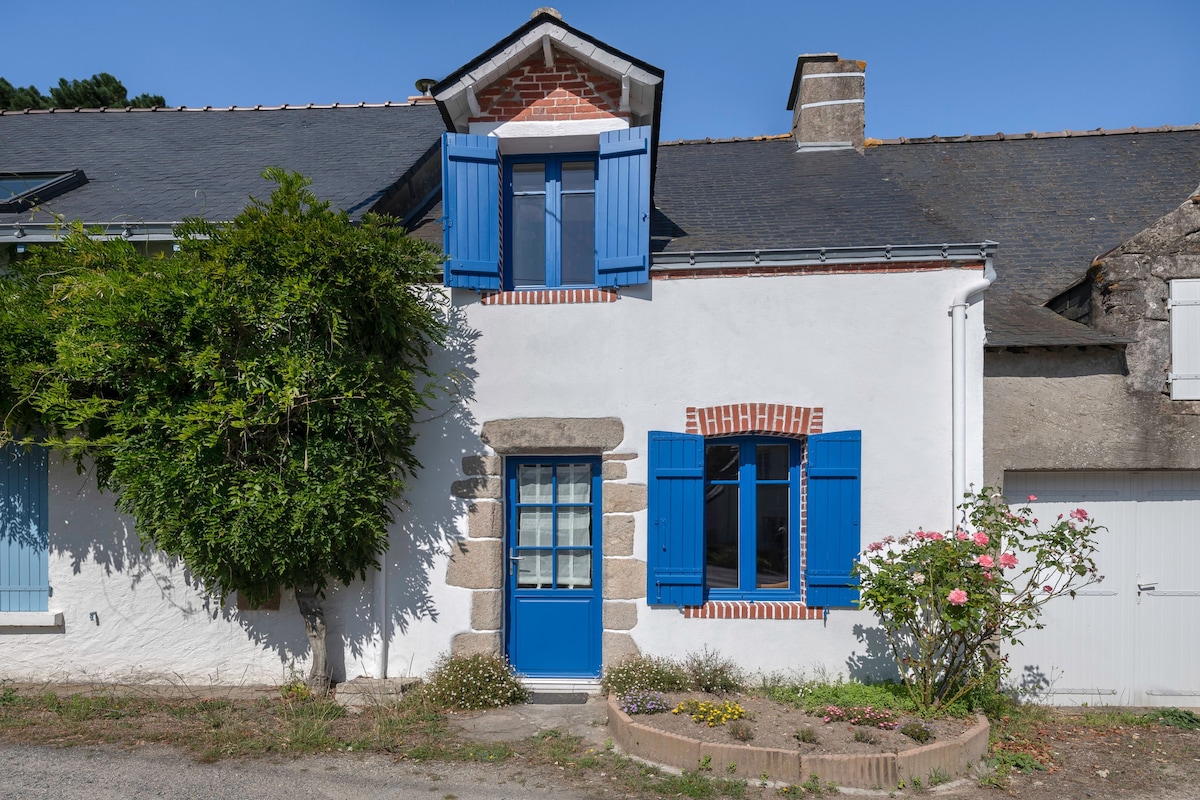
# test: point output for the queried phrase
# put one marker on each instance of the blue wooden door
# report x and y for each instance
(554, 557)
(24, 544)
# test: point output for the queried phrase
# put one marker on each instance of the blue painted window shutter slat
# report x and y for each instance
(24, 544)
(623, 208)
(675, 547)
(834, 514)
(471, 210)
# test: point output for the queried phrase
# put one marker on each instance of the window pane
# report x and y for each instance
(533, 483)
(534, 527)
(721, 536)
(575, 569)
(578, 176)
(529, 178)
(578, 238)
(575, 483)
(574, 527)
(771, 563)
(773, 462)
(533, 569)
(721, 462)
(529, 240)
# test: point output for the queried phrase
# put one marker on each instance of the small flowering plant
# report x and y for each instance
(945, 598)
(643, 701)
(868, 716)
(714, 714)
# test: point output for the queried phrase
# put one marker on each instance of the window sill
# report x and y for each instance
(756, 609)
(541, 297)
(31, 619)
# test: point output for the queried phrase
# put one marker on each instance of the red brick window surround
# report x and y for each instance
(547, 297)
(755, 418)
(759, 609)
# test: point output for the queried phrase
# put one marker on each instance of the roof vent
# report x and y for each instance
(546, 10)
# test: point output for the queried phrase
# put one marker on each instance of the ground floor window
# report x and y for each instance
(553, 513)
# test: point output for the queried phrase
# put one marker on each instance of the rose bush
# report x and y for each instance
(945, 599)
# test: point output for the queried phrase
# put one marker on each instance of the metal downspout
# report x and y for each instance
(958, 372)
(381, 618)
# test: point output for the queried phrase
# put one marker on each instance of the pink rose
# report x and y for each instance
(874, 547)
(919, 534)
(980, 538)
(1032, 497)
(987, 576)
(985, 562)
(1079, 514)
(1047, 588)
(961, 535)
(934, 536)
(1008, 560)
(957, 597)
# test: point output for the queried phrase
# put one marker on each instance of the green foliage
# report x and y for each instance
(815, 697)
(806, 735)
(100, 90)
(473, 682)
(708, 671)
(945, 599)
(865, 736)
(740, 730)
(651, 673)
(250, 401)
(917, 731)
(711, 714)
(1175, 718)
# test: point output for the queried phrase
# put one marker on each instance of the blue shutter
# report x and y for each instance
(471, 210)
(24, 544)
(834, 529)
(675, 547)
(623, 208)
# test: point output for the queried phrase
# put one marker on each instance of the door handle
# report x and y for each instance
(512, 559)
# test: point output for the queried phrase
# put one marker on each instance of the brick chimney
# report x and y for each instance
(827, 102)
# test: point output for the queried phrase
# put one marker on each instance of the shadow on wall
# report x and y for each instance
(88, 529)
(876, 664)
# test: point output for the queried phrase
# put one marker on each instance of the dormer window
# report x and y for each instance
(546, 170)
(550, 225)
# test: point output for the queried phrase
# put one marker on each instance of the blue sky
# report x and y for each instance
(933, 67)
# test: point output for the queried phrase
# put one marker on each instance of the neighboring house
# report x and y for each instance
(694, 377)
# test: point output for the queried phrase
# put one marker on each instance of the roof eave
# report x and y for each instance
(804, 256)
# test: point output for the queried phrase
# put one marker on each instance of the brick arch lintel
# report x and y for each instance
(755, 418)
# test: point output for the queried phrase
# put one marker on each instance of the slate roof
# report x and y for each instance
(168, 164)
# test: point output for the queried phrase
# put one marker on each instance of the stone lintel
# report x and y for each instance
(548, 435)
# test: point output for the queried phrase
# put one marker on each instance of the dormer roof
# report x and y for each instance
(641, 83)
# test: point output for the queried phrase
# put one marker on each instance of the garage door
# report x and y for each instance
(1131, 639)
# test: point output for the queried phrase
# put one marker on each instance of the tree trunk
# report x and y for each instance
(309, 601)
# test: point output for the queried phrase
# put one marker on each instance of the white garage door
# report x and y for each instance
(1131, 639)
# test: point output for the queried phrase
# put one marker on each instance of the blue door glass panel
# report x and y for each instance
(24, 543)
(554, 602)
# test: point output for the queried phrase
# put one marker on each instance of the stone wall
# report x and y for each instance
(478, 561)
(1102, 408)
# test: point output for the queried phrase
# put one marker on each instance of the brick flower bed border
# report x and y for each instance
(872, 771)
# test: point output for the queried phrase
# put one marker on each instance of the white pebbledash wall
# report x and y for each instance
(872, 350)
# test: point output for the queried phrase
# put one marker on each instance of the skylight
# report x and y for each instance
(22, 190)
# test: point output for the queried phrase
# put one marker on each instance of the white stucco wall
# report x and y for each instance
(873, 350)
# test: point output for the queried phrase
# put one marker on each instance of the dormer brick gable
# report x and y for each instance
(564, 89)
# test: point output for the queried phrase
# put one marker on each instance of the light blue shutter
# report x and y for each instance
(24, 544)
(623, 208)
(834, 530)
(471, 209)
(675, 547)
(1185, 339)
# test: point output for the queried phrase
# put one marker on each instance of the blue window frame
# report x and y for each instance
(554, 515)
(724, 518)
(752, 518)
(550, 220)
(557, 245)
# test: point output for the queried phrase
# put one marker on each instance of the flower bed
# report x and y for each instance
(836, 756)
